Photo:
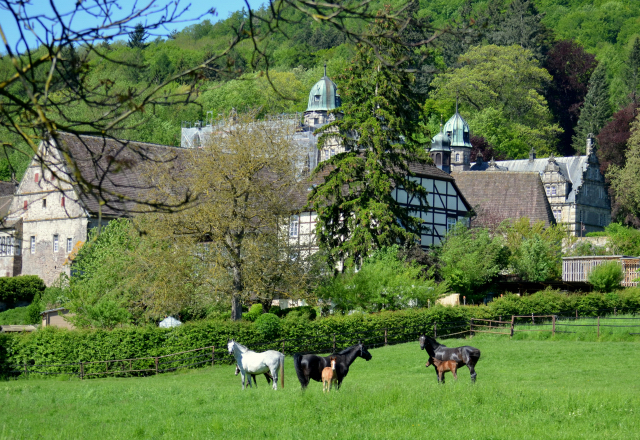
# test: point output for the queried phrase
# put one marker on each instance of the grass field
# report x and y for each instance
(526, 389)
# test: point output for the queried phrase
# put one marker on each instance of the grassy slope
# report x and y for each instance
(525, 389)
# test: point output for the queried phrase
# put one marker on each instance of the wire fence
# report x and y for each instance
(596, 322)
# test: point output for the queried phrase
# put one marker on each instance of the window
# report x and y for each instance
(55, 243)
(438, 159)
(548, 190)
(33, 244)
(316, 98)
(37, 178)
(17, 246)
(553, 190)
(451, 222)
(293, 226)
(316, 121)
(457, 157)
(557, 214)
(333, 152)
(44, 203)
(12, 242)
(25, 205)
(62, 202)
(3, 248)
(69, 244)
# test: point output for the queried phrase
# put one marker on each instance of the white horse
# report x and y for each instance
(251, 362)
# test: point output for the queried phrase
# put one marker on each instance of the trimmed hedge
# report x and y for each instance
(60, 346)
(20, 288)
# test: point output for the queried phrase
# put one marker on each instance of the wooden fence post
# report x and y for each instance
(598, 326)
(614, 311)
(553, 328)
(513, 321)
(576, 313)
(156, 359)
(334, 343)
(213, 355)
(532, 321)
(385, 336)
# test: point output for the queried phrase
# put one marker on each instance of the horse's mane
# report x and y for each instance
(242, 348)
(347, 350)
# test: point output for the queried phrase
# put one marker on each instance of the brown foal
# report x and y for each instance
(442, 367)
(329, 375)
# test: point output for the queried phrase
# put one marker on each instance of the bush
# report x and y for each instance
(268, 325)
(306, 311)
(254, 312)
(606, 277)
(22, 288)
(14, 316)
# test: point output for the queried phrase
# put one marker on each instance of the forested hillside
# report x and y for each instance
(522, 73)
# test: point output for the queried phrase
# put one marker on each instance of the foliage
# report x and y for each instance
(631, 72)
(586, 248)
(571, 67)
(138, 37)
(535, 251)
(15, 316)
(384, 282)
(356, 212)
(471, 259)
(247, 165)
(254, 313)
(624, 180)
(595, 111)
(623, 240)
(500, 90)
(606, 277)
(268, 325)
(23, 288)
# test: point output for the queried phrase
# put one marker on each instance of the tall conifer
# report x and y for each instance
(356, 211)
(595, 111)
(632, 71)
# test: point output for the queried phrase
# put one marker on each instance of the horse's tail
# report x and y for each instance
(282, 371)
(297, 364)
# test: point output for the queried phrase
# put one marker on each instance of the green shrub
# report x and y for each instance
(16, 316)
(22, 288)
(254, 312)
(268, 325)
(306, 311)
(606, 277)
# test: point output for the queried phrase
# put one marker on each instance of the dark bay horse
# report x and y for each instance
(465, 355)
(310, 366)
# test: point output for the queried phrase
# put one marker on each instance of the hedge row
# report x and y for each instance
(60, 346)
(22, 288)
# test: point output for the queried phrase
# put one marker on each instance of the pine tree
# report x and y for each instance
(595, 111)
(356, 211)
(632, 71)
(138, 37)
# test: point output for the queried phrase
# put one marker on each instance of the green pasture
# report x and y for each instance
(526, 389)
(622, 328)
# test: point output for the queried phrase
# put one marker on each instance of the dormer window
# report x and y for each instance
(316, 98)
(553, 190)
(548, 190)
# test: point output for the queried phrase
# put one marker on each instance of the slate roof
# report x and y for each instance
(113, 167)
(571, 167)
(501, 195)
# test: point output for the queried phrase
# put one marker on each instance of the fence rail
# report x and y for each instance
(327, 343)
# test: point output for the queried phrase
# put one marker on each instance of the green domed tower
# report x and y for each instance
(440, 151)
(323, 97)
(457, 130)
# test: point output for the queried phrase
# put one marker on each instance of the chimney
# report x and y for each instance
(590, 144)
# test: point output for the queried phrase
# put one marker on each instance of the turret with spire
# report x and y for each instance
(457, 130)
(323, 97)
(440, 151)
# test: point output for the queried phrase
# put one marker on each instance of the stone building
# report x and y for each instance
(574, 186)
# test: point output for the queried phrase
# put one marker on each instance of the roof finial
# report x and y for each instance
(441, 120)
(325, 69)
(456, 102)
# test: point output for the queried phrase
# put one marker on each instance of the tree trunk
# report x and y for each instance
(236, 306)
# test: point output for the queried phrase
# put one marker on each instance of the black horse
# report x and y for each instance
(465, 355)
(310, 366)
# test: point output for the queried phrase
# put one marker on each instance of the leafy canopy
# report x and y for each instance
(500, 90)
(356, 211)
(384, 282)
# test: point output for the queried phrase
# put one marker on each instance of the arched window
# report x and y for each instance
(457, 157)
(438, 159)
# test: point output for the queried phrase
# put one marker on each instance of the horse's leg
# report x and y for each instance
(254, 380)
(455, 376)
(274, 376)
(243, 375)
(472, 370)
